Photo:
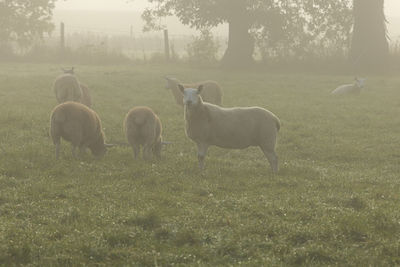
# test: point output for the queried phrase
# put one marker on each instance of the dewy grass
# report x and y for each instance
(335, 200)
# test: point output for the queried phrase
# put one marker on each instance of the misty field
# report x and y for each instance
(335, 200)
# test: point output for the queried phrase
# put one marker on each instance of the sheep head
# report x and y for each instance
(191, 96)
(359, 82)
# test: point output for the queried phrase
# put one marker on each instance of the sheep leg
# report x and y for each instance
(157, 150)
(82, 150)
(74, 154)
(57, 150)
(147, 152)
(136, 150)
(201, 154)
(272, 159)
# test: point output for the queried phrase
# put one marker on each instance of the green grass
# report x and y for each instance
(335, 201)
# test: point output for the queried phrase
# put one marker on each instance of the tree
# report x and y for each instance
(285, 25)
(300, 29)
(22, 21)
(204, 14)
(370, 47)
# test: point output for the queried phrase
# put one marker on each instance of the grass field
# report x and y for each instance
(335, 201)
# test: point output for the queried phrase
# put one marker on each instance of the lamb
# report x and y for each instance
(347, 89)
(234, 128)
(212, 92)
(68, 88)
(143, 128)
(80, 125)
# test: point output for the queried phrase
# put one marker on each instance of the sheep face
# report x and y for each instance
(359, 82)
(99, 150)
(191, 96)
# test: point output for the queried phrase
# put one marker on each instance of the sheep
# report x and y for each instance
(212, 92)
(347, 89)
(234, 128)
(68, 88)
(143, 128)
(80, 125)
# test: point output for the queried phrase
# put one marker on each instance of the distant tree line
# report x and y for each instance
(22, 21)
(286, 29)
(291, 29)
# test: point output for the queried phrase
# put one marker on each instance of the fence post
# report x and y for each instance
(166, 45)
(62, 36)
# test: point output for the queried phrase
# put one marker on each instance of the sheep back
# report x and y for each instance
(67, 88)
(78, 124)
(143, 127)
(236, 128)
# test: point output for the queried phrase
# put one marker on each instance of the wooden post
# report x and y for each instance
(62, 36)
(166, 46)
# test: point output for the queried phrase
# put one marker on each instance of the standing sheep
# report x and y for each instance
(68, 88)
(143, 128)
(347, 89)
(78, 124)
(235, 128)
(212, 92)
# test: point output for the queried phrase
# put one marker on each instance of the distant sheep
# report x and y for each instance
(68, 88)
(348, 89)
(78, 124)
(143, 128)
(235, 128)
(212, 92)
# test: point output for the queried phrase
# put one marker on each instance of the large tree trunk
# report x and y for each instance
(240, 44)
(369, 48)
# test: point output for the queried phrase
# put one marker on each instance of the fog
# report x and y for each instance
(116, 15)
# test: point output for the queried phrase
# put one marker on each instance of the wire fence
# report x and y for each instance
(128, 42)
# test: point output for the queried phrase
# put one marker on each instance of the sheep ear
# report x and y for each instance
(181, 88)
(200, 88)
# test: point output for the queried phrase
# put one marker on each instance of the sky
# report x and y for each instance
(116, 5)
(392, 6)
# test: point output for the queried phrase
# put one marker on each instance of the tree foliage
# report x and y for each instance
(305, 28)
(22, 21)
(281, 28)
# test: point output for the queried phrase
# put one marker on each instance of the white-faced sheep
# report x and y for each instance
(235, 128)
(348, 89)
(78, 124)
(68, 88)
(143, 128)
(212, 92)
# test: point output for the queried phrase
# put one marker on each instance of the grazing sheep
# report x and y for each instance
(212, 92)
(143, 128)
(78, 124)
(68, 88)
(236, 128)
(347, 89)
